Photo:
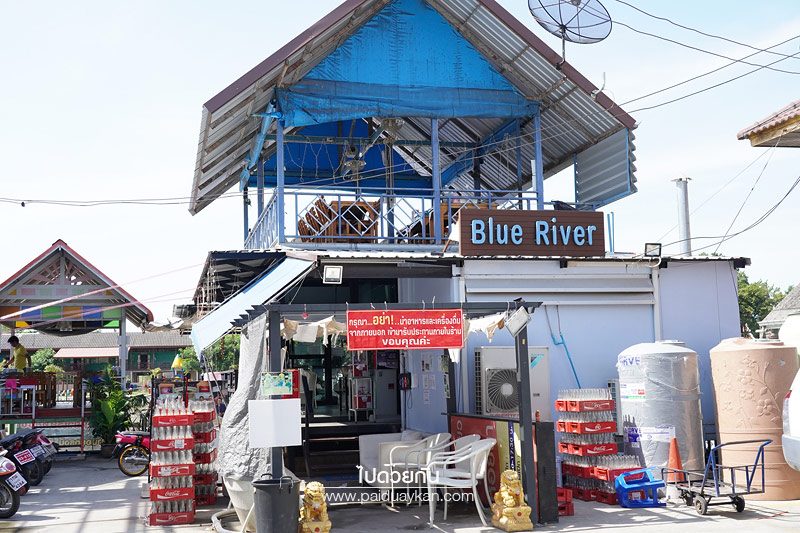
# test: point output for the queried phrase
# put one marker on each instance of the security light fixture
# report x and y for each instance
(652, 249)
(332, 274)
(517, 320)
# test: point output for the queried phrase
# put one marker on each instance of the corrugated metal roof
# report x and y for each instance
(788, 306)
(786, 114)
(575, 114)
(86, 353)
(100, 339)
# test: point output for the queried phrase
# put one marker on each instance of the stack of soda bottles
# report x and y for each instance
(589, 451)
(171, 466)
(205, 451)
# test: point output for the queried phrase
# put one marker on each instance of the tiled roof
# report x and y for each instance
(788, 306)
(100, 339)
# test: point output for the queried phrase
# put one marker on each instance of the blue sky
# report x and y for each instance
(103, 100)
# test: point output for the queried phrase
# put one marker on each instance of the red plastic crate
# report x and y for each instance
(566, 509)
(171, 519)
(606, 474)
(171, 445)
(169, 495)
(574, 470)
(563, 494)
(204, 416)
(205, 458)
(588, 428)
(205, 479)
(563, 447)
(172, 470)
(207, 499)
(204, 438)
(580, 406)
(609, 498)
(561, 426)
(163, 421)
(588, 450)
(561, 405)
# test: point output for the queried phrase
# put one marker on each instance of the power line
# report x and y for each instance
(701, 32)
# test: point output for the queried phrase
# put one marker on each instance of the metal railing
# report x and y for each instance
(313, 217)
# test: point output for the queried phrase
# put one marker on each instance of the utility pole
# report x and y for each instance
(684, 229)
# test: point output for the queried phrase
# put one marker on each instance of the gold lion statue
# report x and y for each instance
(314, 513)
(509, 511)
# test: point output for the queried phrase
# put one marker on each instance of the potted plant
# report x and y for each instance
(110, 411)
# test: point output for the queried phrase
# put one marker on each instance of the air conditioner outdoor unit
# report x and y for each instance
(496, 384)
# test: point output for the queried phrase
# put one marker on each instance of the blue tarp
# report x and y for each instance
(406, 61)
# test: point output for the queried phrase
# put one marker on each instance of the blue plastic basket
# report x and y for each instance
(638, 488)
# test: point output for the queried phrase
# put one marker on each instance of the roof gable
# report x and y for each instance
(60, 291)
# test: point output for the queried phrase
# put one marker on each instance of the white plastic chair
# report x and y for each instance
(413, 456)
(448, 470)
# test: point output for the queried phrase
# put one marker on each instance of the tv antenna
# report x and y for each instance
(576, 21)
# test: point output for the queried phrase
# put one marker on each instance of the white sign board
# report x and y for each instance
(275, 423)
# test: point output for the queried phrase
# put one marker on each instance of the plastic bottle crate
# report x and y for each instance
(205, 479)
(172, 470)
(588, 450)
(207, 499)
(606, 497)
(170, 495)
(163, 421)
(204, 416)
(566, 509)
(205, 458)
(587, 428)
(171, 519)
(607, 474)
(205, 438)
(172, 445)
(563, 494)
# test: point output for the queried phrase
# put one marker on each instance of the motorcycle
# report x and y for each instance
(26, 463)
(132, 452)
(11, 486)
(40, 446)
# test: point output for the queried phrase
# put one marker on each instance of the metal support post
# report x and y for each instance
(518, 150)
(539, 164)
(526, 422)
(437, 181)
(245, 213)
(276, 455)
(260, 186)
(684, 229)
(281, 182)
(123, 349)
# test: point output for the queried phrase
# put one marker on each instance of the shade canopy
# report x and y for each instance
(86, 353)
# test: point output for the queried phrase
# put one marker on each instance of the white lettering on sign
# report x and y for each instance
(494, 233)
(552, 234)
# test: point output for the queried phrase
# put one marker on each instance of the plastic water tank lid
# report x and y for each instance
(672, 342)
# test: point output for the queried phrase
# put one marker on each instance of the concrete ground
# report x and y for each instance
(93, 496)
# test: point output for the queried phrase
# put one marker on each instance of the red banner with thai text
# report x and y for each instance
(405, 329)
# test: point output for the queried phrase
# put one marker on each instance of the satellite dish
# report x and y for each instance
(576, 21)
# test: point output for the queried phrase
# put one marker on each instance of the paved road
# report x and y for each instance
(92, 496)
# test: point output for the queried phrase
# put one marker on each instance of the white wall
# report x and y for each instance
(605, 307)
(700, 306)
(419, 415)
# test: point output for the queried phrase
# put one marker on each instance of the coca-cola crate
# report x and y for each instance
(171, 445)
(566, 509)
(563, 494)
(172, 470)
(588, 428)
(171, 519)
(575, 470)
(588, 450)
(204, 458)
(563, 447)
(609, 498)
(169, 495)
(561, 405)
(204, 416)
(204, 438)
(581, 406)
(205, 479)
(609, 474)
(163, 421)
(586, 495)
(206, 499)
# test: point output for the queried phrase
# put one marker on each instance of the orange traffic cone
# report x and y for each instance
(675, 462)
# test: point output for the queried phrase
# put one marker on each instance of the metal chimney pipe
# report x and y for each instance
(684, 229)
